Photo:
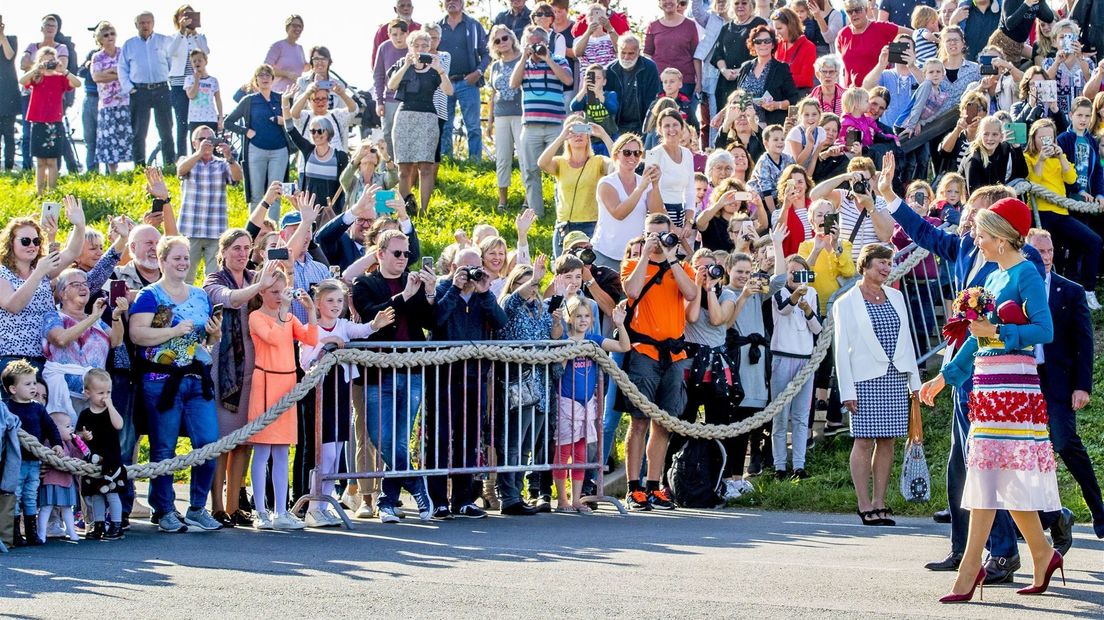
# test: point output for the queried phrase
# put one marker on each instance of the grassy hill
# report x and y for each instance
(466, 196)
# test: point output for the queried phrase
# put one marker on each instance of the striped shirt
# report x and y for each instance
(849, 215)
(203, 213)
(542, 93)
(925, 49)
(440, 99)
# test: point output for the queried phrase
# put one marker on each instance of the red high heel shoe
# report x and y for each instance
(979, 585)
(1056, 563)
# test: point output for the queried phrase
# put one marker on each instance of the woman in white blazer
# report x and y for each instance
(876, 368)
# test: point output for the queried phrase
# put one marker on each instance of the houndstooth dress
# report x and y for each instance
(883, 405)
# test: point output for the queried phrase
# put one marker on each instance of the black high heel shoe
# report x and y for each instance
(869, 517)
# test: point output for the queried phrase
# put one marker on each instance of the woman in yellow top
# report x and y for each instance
(576, 172)
(828, 256)
(1048, 166)
(830, 259)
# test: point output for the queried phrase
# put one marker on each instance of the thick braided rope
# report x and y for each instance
(1024, 187)
(416, 359)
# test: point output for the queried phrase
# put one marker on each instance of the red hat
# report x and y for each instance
(1015, 212)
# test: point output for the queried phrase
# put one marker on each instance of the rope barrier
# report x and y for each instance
(1025, 187)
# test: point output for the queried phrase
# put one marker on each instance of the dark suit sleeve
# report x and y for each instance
(329, 237)
(935, 240)
(1081, 337)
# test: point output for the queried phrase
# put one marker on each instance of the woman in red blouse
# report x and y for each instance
(794, 49)
(48, 81)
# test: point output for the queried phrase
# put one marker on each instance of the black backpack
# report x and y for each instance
(696, 474)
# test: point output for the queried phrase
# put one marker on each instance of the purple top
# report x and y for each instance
(386, 57)
(285, 56)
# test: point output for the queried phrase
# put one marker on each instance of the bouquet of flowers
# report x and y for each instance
(971, 304)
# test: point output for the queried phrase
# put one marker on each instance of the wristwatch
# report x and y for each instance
(589, 283)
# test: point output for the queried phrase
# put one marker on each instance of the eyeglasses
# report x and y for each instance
(762, 41)
(77, 283)
(319, 59)
(631, 152)
(856, 10)
(401, 253)
(27, 241)
(501, 40)
(543, 14)
(363, 221)
(316, 131)
(109, 34)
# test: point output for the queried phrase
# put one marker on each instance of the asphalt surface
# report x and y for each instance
(685, 564)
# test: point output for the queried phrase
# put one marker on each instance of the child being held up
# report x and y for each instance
(927, 99)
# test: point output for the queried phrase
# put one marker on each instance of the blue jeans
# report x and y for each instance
(387, 426)
(561, 230)
(28, 487)
(89, 122)
(468, 98)
(179, 99)
(122, 394)
(25, 139)
(201, 422)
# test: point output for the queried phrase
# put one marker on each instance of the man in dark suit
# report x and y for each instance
(411, 296)
(342, 238)
(1065, 372)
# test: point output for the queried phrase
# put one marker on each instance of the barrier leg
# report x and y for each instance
(316, 473)
(600, 495)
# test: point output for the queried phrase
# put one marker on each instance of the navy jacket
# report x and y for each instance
(1068, 359)
(341, 250)
(37, 422)
(952, 247)
(1068, 141)
(476, 318)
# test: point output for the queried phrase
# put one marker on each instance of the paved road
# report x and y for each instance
(686, 564)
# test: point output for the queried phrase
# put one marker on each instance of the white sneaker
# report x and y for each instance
(262, 520)
(387, 515)
(731, 490)
(1090, 299)
(332, 518)
(352, 502)
(744, 487)
(287, 521)
(365, 511)
(316, 518)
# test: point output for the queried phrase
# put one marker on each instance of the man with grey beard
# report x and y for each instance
(635, 79)
(142, 270)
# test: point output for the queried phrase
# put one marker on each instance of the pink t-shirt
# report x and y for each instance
(285, 56)
(673, 47)
(860, 51)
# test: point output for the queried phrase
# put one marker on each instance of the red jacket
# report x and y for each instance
(800, 56)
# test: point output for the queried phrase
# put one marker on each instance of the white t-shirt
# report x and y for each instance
(201, 109)
(676, 181)
(797, 134)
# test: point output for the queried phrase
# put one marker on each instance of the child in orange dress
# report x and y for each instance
(274, 331)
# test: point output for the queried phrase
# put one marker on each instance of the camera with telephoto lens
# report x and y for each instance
(862, 186)
(539, 49)
(584, 254)
(715, 271)
(668, 239)
(475, 274)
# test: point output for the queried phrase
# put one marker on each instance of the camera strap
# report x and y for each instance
(858, 222)
(665, 348)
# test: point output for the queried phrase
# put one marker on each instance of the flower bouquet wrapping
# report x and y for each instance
(971, 304)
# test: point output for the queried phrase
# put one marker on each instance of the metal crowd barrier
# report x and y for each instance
(452, 420)
(928, 289)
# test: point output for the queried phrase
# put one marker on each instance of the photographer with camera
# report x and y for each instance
(796, 323)
(466, 310)
(658, 287)
(543, 78)
(204, 179)
(856, 206)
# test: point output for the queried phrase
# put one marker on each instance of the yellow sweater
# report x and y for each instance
(1052, 179)
(828, 268)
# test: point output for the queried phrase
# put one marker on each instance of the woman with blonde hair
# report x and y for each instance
(576, 169)
(990, 160)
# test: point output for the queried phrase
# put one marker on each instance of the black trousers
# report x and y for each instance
(1067, 443)
(143, 101)
(7, 139)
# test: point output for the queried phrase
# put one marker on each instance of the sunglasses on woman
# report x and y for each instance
(27, 241)
(762, 41)
(501, 40)
(317, 132)
(631, 152)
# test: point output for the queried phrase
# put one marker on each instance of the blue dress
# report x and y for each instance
(1010, 461)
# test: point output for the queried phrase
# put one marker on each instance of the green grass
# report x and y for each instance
(466, 195)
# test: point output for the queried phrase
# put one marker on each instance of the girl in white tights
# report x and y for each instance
(329, 297)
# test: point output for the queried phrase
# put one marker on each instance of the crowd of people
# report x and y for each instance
(720, 176)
